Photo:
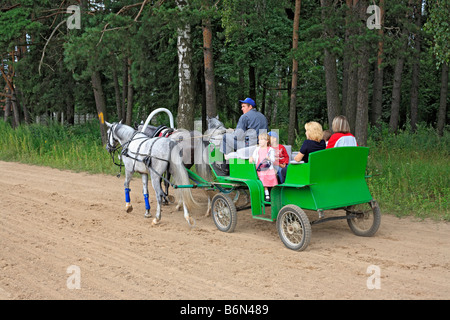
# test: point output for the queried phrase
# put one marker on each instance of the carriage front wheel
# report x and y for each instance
(224, 212)
(367, 218)
(293, 227)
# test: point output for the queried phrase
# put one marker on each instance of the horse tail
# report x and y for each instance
(181, 177)
(201, 155)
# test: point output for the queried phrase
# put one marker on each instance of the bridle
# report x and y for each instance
(112, 149)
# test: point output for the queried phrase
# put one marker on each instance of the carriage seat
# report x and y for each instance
(335, 177)
(160, 131)
(243, 153)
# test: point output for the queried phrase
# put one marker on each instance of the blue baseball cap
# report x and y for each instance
(249, 101)
(273, 134)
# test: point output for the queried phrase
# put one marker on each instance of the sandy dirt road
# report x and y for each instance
(58, 227)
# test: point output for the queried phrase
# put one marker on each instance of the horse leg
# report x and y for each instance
(208, 210)
(167, 198)
(145, 192)
(156, 183)
(188, 218)
(179, 204)
(128, 206)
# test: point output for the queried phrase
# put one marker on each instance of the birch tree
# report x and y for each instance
(208, 57)
(185, 117)
(293, 97)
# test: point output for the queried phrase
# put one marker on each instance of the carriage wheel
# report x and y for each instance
(224, 212)
(367, 221)
(293, 227)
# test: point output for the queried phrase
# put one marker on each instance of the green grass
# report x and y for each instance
(77, 148)
(410, 171)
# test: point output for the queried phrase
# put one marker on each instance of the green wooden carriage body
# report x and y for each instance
(332, 179)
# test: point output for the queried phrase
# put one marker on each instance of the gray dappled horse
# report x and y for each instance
(194, 147)
(150, 155)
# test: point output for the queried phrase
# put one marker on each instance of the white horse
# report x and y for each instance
(150, 155)
(194, 147)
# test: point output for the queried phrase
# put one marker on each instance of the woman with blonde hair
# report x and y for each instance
(314, 141)
(341, 136)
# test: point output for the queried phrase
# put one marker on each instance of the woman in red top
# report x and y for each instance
(341, 136)
(281, 156)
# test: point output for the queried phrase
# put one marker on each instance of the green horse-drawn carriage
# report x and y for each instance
(332, 179)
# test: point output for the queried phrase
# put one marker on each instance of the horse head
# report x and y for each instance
(111, 144)
(214, 122)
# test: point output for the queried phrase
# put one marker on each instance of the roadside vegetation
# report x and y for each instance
(410, 171)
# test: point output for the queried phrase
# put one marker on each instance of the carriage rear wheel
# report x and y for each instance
(293, 227)
(367, 220)
(224, 212)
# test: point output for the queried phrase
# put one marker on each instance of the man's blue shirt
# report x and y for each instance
(251, 120)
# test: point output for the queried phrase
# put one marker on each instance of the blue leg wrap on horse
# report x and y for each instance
(127, 194)
(147, 204)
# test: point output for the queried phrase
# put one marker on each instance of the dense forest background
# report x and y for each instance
(383, 64)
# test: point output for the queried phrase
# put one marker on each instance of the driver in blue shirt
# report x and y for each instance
(247, 130)
(250, 125)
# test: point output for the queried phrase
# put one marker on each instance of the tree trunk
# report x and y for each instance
(241, 90)
(185, 118)
(362, 106)
(210, 87)
(70, 110)
(396, 90)
(19, 94)
(416, 67)
(414, 95)
(443, 100)
(11, 95)
(16, 110)
(117, 94)
(130, 97)
(263, 101)
(124, 89)
(26, 112)
(100, 103)
(235, 112)
(70, 105)
(252, 82)
(201, 82)
(377, 99)
(293, 95)
(396, 94)
(7, 106)
(347, 56)
(331, 80)
(277, 99)
(352, 66)
(270, 108)
(352, 87)
(377, 102)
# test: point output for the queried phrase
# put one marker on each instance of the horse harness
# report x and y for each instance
(147, 160)
(160, 132)
(163, 131)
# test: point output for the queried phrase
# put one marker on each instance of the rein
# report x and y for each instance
(112, 151)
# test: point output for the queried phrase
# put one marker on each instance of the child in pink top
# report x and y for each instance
(281, 156)
(264, 157)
